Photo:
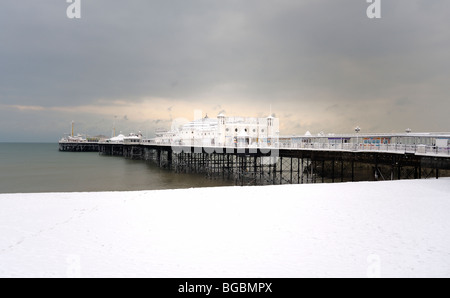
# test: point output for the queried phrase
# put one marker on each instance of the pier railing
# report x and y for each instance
(424, 150)
(395, 148)
(390, 148)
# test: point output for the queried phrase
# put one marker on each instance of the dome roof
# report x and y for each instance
(118, 138)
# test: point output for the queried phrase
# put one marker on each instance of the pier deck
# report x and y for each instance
(78, 147)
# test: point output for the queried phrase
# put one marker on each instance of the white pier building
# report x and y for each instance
(223, 132)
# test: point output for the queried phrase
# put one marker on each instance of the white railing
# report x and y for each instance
(397, 148)
(394, 148)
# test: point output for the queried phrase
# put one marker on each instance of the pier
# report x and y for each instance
(293, 163)
(79, 146)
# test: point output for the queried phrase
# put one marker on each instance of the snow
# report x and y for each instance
(387, 229)
(118, 138)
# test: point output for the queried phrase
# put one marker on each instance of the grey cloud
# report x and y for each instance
(320, 53)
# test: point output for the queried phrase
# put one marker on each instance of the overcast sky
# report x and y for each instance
(321, 65)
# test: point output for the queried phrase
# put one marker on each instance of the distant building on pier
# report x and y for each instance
(223, 131)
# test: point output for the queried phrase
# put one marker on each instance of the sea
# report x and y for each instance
(37, 168)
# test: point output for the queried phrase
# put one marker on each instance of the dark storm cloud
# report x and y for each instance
(296, 54)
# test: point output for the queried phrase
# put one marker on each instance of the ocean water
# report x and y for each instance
(30, 167)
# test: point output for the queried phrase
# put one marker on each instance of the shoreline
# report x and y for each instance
(217, 187)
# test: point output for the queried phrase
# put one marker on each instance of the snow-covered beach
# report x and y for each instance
(387, 229)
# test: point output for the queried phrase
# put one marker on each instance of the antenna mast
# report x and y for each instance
(115, 117)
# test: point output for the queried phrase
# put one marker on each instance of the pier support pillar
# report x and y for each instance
(281, 170)
(302, 169)
(323, 171)
(255, 169)
(308, 170)
(274, 171)
(158, 157)
(291, 181)
(353, 170)
(332, 170)
(376, 174)
(169, 159)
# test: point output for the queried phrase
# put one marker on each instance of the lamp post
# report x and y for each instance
(114, 128)
(357, 130)
(408, 131)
